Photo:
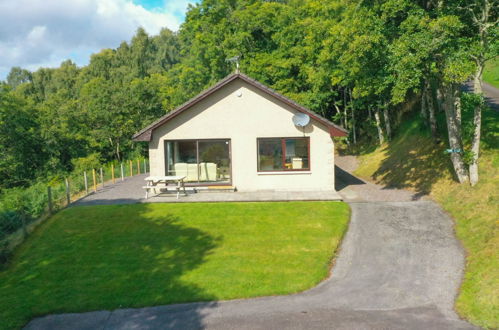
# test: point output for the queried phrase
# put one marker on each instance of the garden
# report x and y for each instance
(117, 256)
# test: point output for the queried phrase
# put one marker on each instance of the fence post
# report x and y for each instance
(112, 173)
(95, 180)
(68, 194)
(122, 172)
(86, 182)
(101, 178)
(138, 166)
(145, 166)
(131, 168)
(49, 199)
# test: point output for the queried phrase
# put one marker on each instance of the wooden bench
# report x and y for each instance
(161, 182)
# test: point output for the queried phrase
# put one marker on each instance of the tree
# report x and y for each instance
(356, 51)
(483, 19)
(167, 51)
(21, 147)
(355, 62)
(18, 76)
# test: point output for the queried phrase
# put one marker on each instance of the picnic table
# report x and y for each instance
(161, 182)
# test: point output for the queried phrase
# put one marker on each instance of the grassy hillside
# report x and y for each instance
(412, 161)
(491, 72)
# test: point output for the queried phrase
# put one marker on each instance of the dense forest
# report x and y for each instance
(360, 63)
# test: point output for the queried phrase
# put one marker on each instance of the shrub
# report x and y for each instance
(86, 163)
(18, 205)
(10, 221)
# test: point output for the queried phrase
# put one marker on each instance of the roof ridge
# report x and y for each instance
(169, 113)
(145, 134)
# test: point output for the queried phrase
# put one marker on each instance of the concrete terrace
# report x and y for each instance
(131, 191)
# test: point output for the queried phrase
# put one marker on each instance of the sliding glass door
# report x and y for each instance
(214, 161)
(182, 159)
(200, 161)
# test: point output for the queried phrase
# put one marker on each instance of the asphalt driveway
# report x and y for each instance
(399, 267)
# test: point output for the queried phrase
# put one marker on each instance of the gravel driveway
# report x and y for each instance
(399, 267)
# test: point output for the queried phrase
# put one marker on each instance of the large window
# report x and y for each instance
(200, 161)
(283, 154)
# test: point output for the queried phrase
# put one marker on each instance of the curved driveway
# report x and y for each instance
(399, 267)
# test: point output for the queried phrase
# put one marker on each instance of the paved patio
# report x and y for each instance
(131, 191)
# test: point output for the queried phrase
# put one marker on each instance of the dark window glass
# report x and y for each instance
(270, 154)
(282, 154)
(214, 161)
(296, 154)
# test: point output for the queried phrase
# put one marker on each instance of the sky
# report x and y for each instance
(43, 33)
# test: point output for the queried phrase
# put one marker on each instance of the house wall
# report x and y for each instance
(242, 113)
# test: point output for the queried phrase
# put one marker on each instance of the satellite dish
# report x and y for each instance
(301, 119)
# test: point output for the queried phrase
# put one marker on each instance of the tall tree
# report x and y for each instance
(352, 61)
(21, 147)
(483, 20)
(18, 76)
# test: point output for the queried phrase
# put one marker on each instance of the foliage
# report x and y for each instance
(20, 146)
(19, 205)
(109, 257)
(53, 117)
(81, 164)
(343, 59)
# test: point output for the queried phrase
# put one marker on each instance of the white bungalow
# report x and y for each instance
(244, 135)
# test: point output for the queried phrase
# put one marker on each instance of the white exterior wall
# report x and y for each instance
(242, 119)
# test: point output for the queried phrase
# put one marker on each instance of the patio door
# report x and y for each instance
(206, 162)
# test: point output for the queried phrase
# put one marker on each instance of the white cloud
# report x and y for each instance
(177, 7)
(35, 33)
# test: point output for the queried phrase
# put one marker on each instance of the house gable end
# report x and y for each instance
(146, 133)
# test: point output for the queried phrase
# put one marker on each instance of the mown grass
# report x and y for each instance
(108, 257)
(491, 72)
(412, 160)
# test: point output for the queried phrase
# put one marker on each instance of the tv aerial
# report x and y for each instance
(234, 59)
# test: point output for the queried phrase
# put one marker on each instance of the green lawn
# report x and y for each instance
(491, 72)
(107, 257)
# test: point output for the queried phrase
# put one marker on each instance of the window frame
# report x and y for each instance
(198, 183)
(283, 157)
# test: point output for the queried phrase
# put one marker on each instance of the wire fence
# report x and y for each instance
(22, 209)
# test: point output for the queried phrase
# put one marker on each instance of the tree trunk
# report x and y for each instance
(378, 126)
(345, 115)
(337, 110)
(477, 124)
(439, 98)
(386, 117)
(354, 133)
(484, 19)
(118, 153)
(423, 104)
(431, 114)
(452, 109)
